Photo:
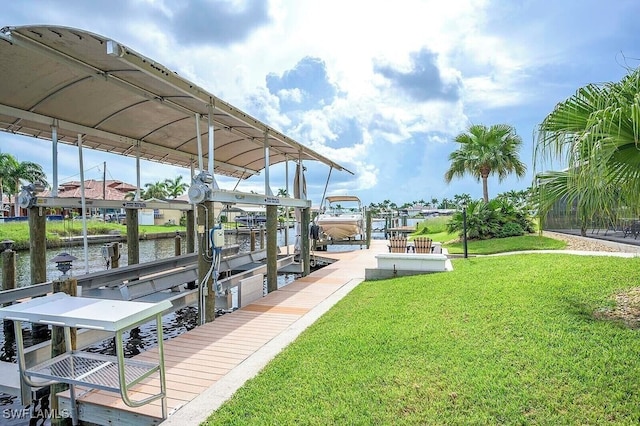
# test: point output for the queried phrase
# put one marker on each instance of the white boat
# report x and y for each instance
(342, 218)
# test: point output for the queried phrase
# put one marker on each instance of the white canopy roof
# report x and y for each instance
(118, 99)
(338, 198)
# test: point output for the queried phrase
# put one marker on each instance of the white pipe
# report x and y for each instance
(286, 219)
(138, 171)
(267, 187)
(211, 139)
(286, 177)
(54, 139)
(199, 140)
(83, 203)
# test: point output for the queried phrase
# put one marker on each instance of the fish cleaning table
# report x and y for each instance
(110, 373)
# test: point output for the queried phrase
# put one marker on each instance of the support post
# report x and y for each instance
(67, 285)
(369, 225)
(8, 282)
(261, 227)
(177, 244)
(191, 231)
(205, 221)
(252, 240)
(272, 248)
(191, 239)
(133, 237)
(115, 260)
(37, 256)
(304, 242)
(464, 230)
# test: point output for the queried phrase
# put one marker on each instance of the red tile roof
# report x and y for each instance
(93, 190)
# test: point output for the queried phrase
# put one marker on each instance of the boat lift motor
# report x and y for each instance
(200, 189)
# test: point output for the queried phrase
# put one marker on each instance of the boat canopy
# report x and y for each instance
(69, 81)
(339, 198)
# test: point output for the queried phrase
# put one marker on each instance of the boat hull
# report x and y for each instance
(340, 228)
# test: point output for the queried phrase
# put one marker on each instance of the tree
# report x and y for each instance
(283, 193)
(175, 187)
(596, 201)
(485, 151)
(596, 133)
(7, 163)
(499, 218)
(156, 190)
(460, 199)
(24, 171)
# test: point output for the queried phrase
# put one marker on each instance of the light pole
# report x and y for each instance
(464, 229)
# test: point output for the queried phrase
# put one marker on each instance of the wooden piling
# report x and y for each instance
(206, 218)
(37, 245)
(37, 255)
(133, 237)
(177, 244)
(115, 259)
(191, 232)
(272, 248)
(8, 283)
(191, 239)
(369, 226)
(304, 238)
(252, 240)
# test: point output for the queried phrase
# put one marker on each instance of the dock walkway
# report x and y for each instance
(206, 365)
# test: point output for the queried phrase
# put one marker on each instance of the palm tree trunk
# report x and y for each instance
(485, 188)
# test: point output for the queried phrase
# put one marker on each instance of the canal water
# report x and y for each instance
(150, 250)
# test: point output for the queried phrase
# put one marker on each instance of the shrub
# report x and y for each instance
(496, 219)
(510, 229)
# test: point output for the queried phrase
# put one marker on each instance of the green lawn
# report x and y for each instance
(19, 231)
(436, 229)
(499, 340)
(502, 245)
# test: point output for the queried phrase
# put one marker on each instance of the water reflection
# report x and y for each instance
(150, 250)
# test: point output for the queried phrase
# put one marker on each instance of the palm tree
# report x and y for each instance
(485, 151)
(25, 171)
(460, 199)
(156, 190)
(596, 132)
(7, 163)
(597, 201)
(283, 193)
(175, 187)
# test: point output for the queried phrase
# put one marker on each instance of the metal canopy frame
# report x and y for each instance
(59, 83)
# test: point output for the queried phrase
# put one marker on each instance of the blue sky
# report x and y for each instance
(380, 87)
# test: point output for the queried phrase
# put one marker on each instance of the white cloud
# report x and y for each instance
(509, 61)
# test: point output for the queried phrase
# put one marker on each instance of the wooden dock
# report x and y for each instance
(204, 357)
